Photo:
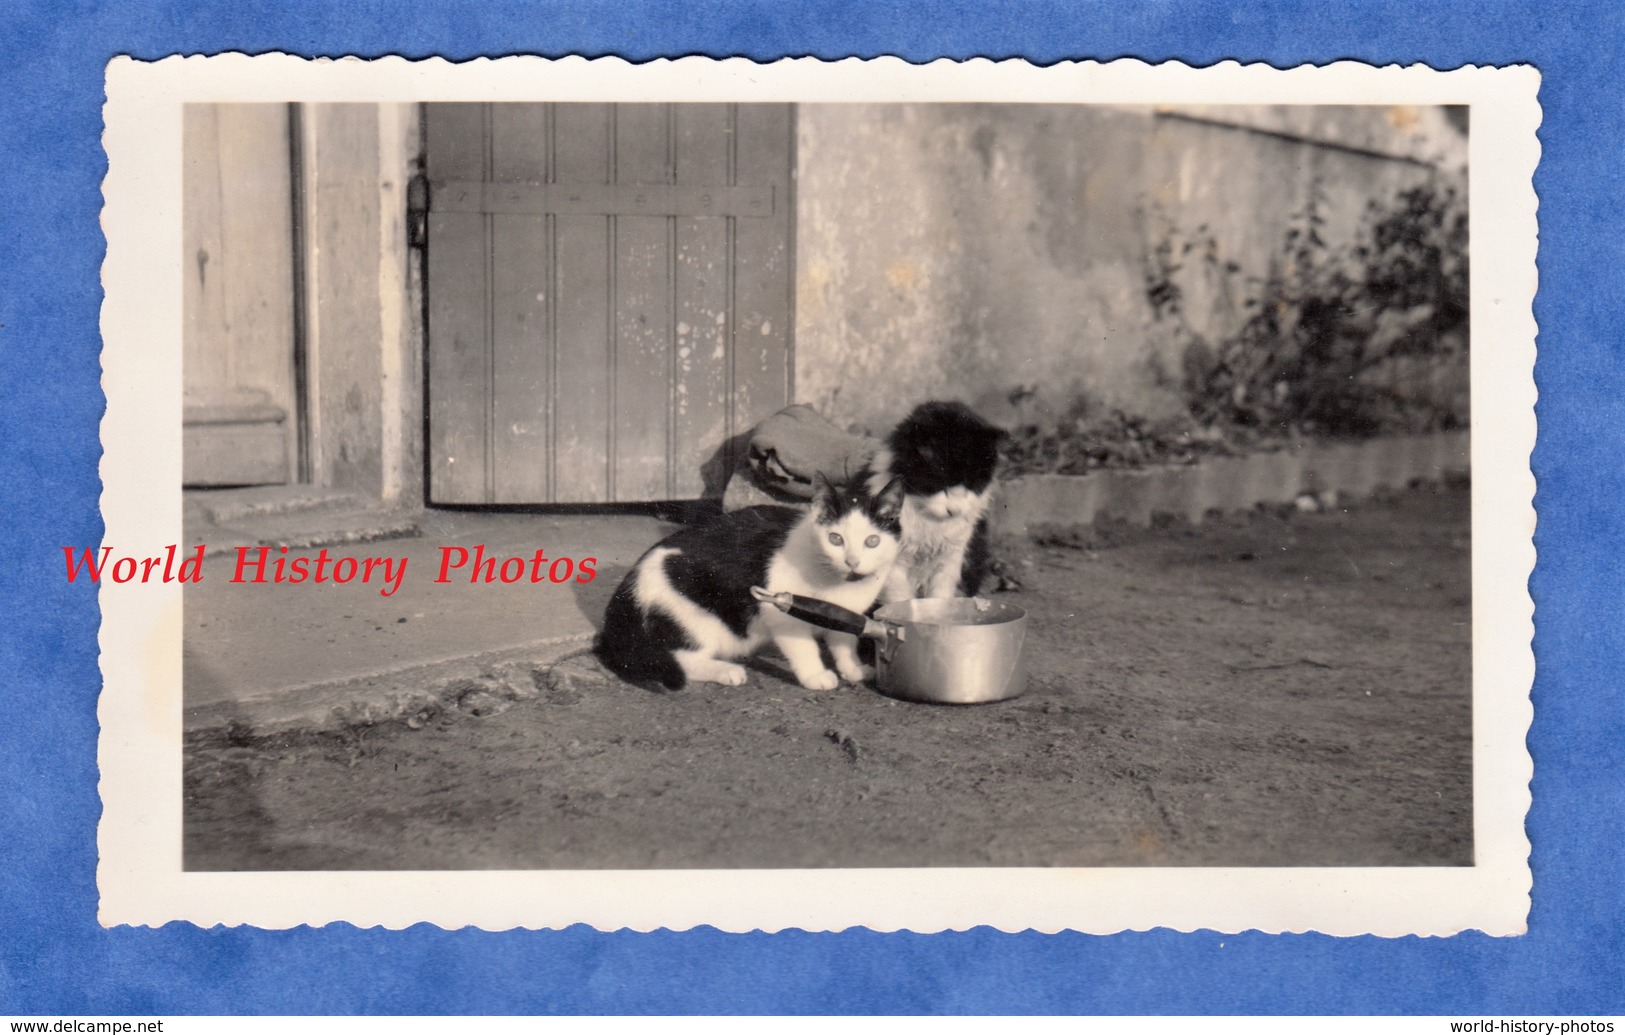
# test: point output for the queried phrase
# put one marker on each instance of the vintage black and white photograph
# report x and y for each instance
(849, 485)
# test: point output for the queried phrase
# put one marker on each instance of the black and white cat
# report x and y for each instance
(685, 611)
(945, 456)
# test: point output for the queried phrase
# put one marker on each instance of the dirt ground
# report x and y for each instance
(1276, 689)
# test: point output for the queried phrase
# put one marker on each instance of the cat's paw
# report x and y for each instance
(823, 679)
(729, 675)
(856, 673)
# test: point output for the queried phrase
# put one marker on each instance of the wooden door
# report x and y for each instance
(238, 333)
(609, 295)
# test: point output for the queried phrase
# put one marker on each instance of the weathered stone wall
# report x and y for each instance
(971, 250)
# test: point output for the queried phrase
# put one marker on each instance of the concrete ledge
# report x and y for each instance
(230, 506)
(482, 684)
(1228, 483)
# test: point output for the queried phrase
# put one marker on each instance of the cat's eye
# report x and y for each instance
(835, 538)
(872, 542)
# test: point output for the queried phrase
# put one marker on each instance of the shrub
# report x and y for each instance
(1326, 326)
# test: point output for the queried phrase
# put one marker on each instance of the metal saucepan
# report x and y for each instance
(964, 650)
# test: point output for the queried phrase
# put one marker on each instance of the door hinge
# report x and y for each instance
(417, 211)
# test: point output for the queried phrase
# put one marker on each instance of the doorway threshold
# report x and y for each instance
(295, 516)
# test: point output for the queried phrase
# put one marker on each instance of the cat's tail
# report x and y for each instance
(629, 645)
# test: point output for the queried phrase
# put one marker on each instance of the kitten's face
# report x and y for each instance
(858, 533)
(945, 455)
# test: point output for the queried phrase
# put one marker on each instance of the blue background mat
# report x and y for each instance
(54, 958)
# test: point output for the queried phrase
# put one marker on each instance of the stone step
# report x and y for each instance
(309, 530)
(232, 506)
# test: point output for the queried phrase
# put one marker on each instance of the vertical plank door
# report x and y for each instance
(609, 295)
(237, 338)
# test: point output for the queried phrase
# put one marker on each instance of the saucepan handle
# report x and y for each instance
(821, 613)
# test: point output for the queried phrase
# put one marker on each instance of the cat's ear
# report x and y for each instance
(888, 502)
(823, 498)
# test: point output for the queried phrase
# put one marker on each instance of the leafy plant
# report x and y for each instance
(1323, 320)
(1087, 436)
(1314, 353)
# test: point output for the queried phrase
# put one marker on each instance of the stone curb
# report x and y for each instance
(1227, 483)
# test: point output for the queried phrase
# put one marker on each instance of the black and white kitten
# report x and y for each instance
(945, 456)
(685, 611)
